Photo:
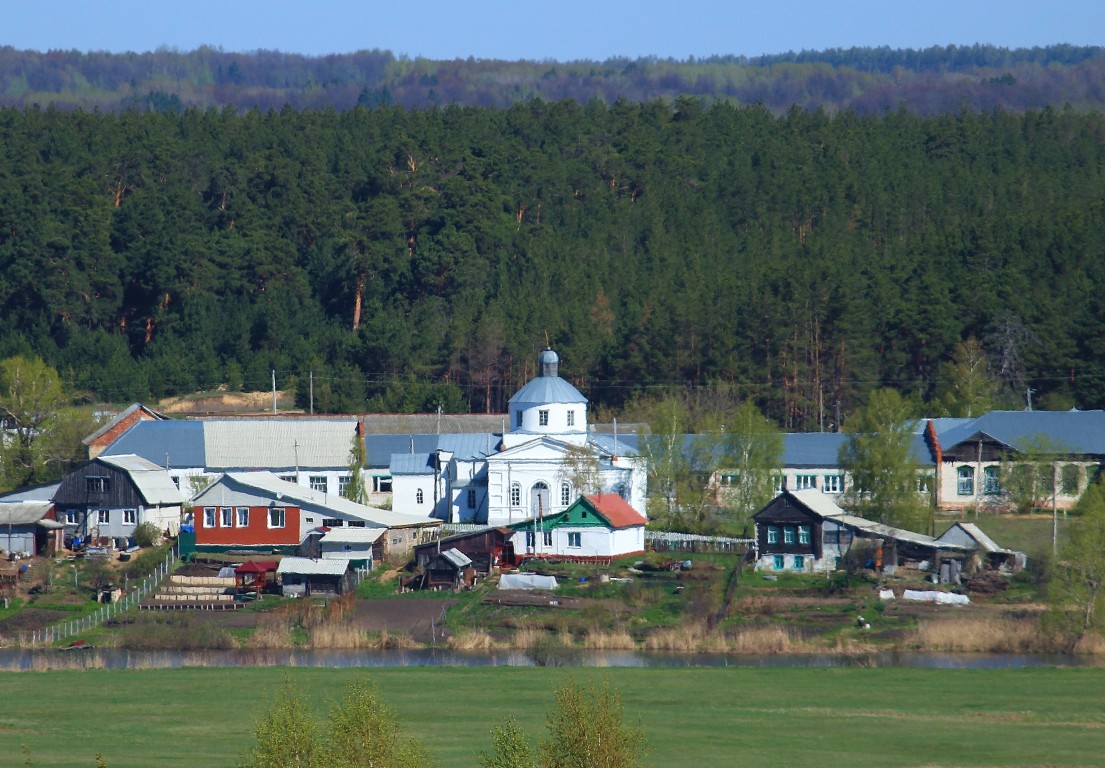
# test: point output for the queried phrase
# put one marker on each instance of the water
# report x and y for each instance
(12, 659)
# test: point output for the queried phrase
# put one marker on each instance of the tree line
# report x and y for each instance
(404, 259)
(864, 80)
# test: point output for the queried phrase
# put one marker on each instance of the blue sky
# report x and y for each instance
(562, 29)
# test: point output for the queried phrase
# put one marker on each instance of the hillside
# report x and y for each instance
(863, 80)
(416, 258)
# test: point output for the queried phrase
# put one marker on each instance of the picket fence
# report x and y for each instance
(136, 594)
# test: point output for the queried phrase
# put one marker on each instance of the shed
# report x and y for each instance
(487, 548)
(354, 545)
(306, 577)
(448, 570)
(26, 530)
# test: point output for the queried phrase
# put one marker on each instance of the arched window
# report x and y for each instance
(418, 497)
(515, 494)
(565, 494)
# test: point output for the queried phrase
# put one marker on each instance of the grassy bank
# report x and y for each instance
(692, 717)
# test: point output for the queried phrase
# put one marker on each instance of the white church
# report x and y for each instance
(540, 465)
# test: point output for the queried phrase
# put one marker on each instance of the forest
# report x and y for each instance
(413, 258)
(862, 80)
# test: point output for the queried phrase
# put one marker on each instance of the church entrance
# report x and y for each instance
(539, 499)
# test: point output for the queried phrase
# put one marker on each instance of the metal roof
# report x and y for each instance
(1060, 432)
(411, 464)
(353, 535)
(119, 417)
(613, 447)
(23, 512)
(818, 502)
(813, 449)
(985, 543)
(548, 389)
(43, 492)
(308, 566)
(152, 481)
(178, 444)
(900, 534)
(278, 443)
(379, 449)
(457, 558)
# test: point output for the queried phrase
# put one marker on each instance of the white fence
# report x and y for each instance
(135, 595)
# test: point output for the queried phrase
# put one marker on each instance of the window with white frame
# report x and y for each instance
(543, 417)
(331, 522)
(381, 483)
(565, 494)
(130, 516)
(832, 483)
(803, 534)
(777, 483)
(772, 534)
(548, 538)
(243, 517)
(471, 498)
(209, 517)
(226, 517)
(318, 483)
(97, 484)
(924, 483)
(276, 517)
(788, 534)
(103, 517)
(343, 484)
(802, 482)
(575, 540)
(419, 497)
(515, 494)
(571, 418)
(288, 478)
(965, 481)
(71, 516)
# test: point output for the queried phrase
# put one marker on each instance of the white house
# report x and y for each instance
(596, 527)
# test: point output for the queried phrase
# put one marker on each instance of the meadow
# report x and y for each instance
(796, 717)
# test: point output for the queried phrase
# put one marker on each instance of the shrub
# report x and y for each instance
(147, 534)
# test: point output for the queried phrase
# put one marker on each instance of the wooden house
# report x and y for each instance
(449, 569)
(107, 498)
(487, 549)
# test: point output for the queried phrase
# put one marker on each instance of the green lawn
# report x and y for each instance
(692, 717)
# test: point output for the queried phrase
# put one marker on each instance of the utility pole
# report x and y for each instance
(273, 391)
(312, 392)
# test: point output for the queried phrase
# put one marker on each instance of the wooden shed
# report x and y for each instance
(487, 549)
(450, 569)
(307, 577)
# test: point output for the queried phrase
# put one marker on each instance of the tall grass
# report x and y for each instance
(979, 634)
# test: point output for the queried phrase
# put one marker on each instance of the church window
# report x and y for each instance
(565, 494)
(517, 419)
(571, 418)
(543, 417)
(418, 496)
(515, 495)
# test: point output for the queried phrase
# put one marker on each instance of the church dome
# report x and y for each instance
(548, 387)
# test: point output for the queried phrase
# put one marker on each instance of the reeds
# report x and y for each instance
(978, 634)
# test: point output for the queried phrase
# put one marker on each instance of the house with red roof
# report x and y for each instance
(593, 528)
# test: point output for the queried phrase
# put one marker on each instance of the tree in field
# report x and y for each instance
(364, 731)
(586, 729)
(360, 731)
(1077, 585)
(878, 458)
(286, 736)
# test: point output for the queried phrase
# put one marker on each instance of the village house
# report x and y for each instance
(807, 532)
(259, 512)
(106, 499)
(593, 528)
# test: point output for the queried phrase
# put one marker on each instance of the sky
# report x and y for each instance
(562, 30)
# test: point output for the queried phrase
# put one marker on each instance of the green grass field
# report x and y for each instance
(692, 717)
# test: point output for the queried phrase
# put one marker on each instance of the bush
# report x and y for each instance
(147, 534)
